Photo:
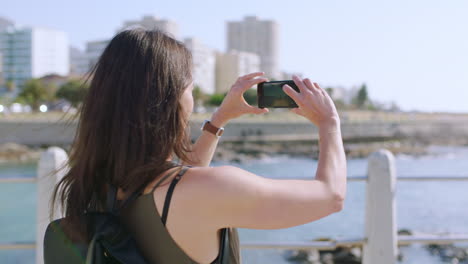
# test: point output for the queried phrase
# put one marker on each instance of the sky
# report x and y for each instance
(411, 52)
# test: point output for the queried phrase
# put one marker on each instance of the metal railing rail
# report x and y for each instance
(403, 240)
(17, 180)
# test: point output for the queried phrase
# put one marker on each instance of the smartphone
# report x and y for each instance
(271, 95)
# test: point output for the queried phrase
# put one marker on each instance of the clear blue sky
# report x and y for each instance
(412, 52)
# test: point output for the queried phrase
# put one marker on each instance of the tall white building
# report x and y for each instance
(152, 22)
(231, 65)
(204, 62)
(288, 75)
(32, 52)
(257, 36)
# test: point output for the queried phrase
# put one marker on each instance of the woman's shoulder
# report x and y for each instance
(226, 186)
(219, 178)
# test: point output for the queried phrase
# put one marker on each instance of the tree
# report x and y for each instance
(197, 94)
(73, 91)
(329, 91)
(250, 96)
(362, 97)
(34, 93)
(216, 99)
(10, 85)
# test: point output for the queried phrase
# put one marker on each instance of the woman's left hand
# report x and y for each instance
(234, 104)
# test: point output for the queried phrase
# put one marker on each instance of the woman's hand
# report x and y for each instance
(234, 104)
(314, 102)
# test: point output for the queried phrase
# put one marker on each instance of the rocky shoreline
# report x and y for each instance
(16, 153)
(241, 152)
(449, 253)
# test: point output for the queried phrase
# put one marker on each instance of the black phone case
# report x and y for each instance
(260, 97)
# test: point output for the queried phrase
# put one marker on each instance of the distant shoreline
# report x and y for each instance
(240, 152)
(256, 136)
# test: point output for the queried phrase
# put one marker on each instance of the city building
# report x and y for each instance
(288, 75)
(94, 49)
(79, 63)
(2, 80)
(54, 80)
(152, 22)
(32, 52)
(257, 36)
(232, 65)
(204, 62)
(5, 24)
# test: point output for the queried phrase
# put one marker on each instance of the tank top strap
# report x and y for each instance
(167, 201)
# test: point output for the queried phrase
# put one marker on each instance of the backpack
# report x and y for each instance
(111, 243)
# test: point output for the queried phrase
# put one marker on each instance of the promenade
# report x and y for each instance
(55, 129)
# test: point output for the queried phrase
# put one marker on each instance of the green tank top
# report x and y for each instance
(149, 230)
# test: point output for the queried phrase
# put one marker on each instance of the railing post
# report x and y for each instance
(381, 229)
(51, 159)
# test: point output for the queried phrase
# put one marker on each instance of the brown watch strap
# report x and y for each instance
(212, 129)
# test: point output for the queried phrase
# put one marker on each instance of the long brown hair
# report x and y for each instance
(131, 121)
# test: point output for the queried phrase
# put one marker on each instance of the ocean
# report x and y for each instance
(423, 207)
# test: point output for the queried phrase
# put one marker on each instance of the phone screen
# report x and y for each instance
(271, 94)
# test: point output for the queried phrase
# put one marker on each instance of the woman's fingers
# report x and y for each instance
(311, 85)
(251, 75)
(243, 85)
(299, 83)
(256, 110)
(291, 92)
(255, 81)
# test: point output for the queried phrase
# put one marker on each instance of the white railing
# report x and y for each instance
(379, 244)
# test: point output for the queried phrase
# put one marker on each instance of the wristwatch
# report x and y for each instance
(211, 128)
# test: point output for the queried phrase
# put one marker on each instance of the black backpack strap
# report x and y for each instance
(224, 243)
(111, 197)
(169, 192)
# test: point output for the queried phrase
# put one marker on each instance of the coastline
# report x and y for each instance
(239, 152)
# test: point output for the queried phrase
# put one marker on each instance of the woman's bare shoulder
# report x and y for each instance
(220, 177)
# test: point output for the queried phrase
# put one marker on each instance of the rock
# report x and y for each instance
(449, 252)
(12, 152)
(13, 148)
(340, 255)
(254, 150)
(405, 232)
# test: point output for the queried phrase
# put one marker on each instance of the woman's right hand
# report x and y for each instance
(313, 102)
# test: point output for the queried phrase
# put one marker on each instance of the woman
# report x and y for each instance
(135, 118)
